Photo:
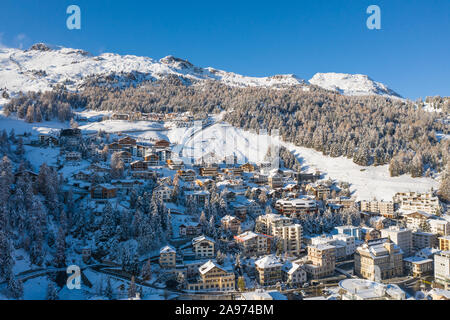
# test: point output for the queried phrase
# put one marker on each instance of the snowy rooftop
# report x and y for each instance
(167, 249)
(366, 289)
(270, 261)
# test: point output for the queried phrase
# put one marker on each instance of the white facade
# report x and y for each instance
(402, 237)
(442, 268)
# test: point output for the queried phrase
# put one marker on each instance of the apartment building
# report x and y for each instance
(349, 230)
(269, 270)
(421, 239)
(378, 259)
(385, 208)
(417, 219)
(414, 201)
(268, 223)
(442, 269)
(252, 243)
(402, 237)
(212, 277)
(167, 257)
(275, 180)
(321, 261)
(230, 223)
(203, 247)
(291, 238)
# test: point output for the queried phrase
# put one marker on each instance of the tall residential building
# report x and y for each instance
(268, 223)
(291, 238)
(378, 259)
(322, 261)
(442, 268)
(402, 237)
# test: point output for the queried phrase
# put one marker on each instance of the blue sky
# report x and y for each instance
(411, 52)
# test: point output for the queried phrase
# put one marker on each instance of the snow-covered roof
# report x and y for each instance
(167, 249)
(209, 266)
(270, 261)
(202, 238)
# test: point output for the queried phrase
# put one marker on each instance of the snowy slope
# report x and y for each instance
(42, 67)
(366, 182)
(351, 84)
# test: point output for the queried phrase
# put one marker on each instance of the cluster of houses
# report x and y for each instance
(408, 236)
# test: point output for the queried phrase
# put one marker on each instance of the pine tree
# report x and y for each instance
(132, 290)
(52, 292)
(15, 288)
(146, 273)
(109, 292)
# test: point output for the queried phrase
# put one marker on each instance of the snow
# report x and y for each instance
(19, 69)
(225, 140)
(37, 156)
(351, 84)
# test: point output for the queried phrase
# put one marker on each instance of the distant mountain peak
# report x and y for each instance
(352, 84)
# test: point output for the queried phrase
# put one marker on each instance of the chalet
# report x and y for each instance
(139, 166)
(204, 183)
(125, 185)
(247, 167)
(188, 175)
(125, 156)
(73, 156)
(203, 247)
(190, 229)
(417, 219)
(233, 171)
(97, 167)
(127, 142)
(83, 175)
(114, 147)
(103, 191)
(27, 174)
(162, 144)
(175, 164)
(230, 223)
(152, 159)
(145, 175)
(209, 171)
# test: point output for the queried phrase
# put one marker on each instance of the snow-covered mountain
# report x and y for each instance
(42, 66)
(352, 84)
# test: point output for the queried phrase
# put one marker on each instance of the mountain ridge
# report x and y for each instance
(43, 66)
